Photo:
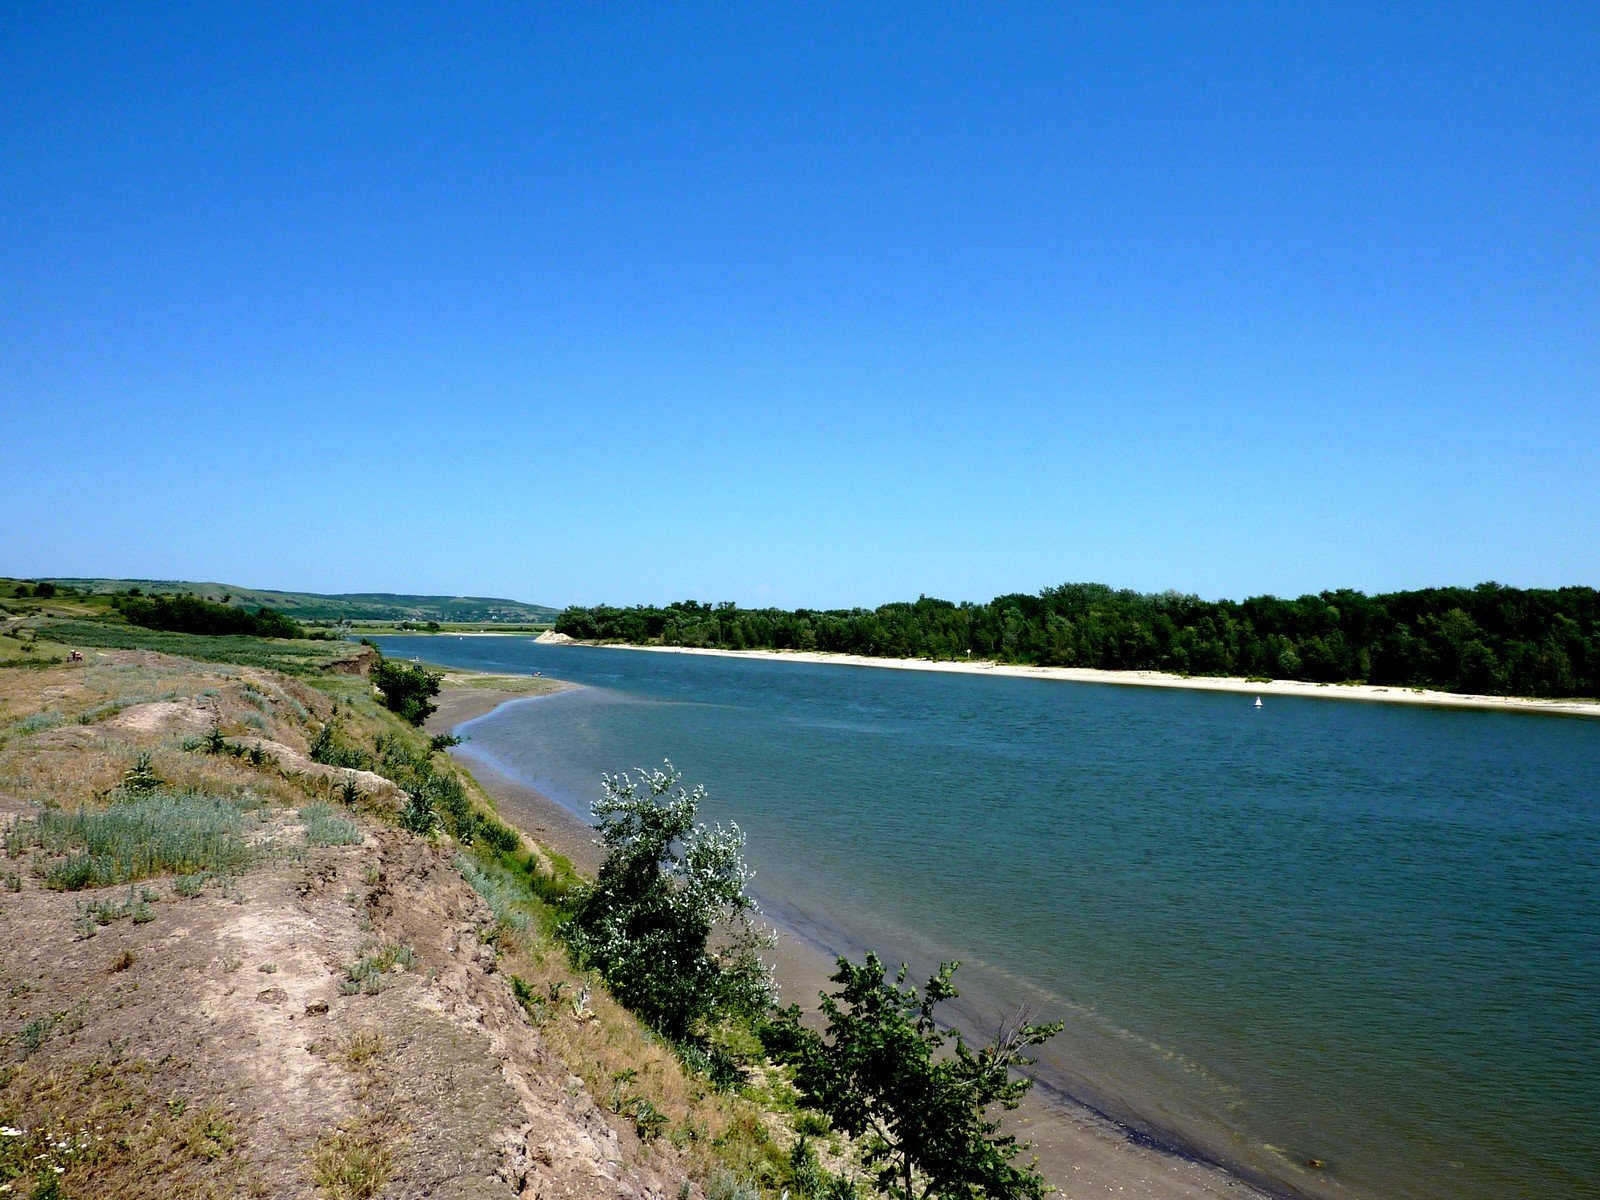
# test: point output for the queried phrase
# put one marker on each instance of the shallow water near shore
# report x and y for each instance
(1353, 933)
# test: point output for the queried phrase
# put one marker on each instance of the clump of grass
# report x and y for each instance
(352, 1163)
(135, 838)
(41, 1029)
(370, 974)
(325, 827)
(363, 1046)
(499, 890)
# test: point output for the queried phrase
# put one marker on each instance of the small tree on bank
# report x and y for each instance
(407, 689)
(667, 922)
(924, 1117)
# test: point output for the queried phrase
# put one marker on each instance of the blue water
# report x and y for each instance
(1367, 934)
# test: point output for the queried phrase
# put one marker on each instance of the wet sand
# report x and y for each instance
(1081, 1153)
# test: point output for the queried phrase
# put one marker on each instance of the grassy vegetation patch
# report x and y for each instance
(96, 1129)
(292, 657)
(39, 722)
(135, 838)
(506, 896)
(325, 827)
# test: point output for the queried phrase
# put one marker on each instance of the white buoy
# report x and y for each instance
(1258, 701)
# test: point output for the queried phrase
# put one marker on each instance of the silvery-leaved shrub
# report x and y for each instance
(667, 922)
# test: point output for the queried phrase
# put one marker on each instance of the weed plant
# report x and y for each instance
(328, 749)
(370, 974)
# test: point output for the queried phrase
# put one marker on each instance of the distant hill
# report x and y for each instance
(347, 606)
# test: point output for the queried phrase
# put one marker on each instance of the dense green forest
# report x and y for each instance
(1487, 639)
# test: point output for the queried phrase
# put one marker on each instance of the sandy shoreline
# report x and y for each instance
(1199, 683)
(1080, 1152)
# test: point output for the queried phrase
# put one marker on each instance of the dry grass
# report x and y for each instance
(115, 1134)
(355, 1160)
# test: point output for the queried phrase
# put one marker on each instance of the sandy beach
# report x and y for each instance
(1159, 679)
(1081, 1153)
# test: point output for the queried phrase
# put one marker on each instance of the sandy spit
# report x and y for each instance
(1079, 1152)
(1275, 687)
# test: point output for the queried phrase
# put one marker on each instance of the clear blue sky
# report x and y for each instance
(801, 304)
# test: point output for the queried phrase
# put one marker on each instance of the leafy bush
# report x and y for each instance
(418, 815)
(406, 688)
(666, 885)
(922, 1115)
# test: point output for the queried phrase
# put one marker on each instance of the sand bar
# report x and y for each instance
(1160, 679)
(1081, 1153)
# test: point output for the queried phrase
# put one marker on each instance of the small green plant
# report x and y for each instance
(136, 907)
(442, 741)
(648, 1120)
(418, 815)
(806, 1174)
(190, 886)
(141, 779)
(370, 974)
(328, 749)
(13, 881)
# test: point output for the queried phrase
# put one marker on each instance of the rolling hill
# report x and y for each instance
(346, 606)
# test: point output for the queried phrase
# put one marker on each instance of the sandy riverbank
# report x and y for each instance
(1160, 679)
(1080, 1153)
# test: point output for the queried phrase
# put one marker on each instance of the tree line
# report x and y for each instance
(1488, 639)
(190, 614)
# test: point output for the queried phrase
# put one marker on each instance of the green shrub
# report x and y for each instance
(326, 748)
(406, 689)
(418, 815)
(667, 885)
